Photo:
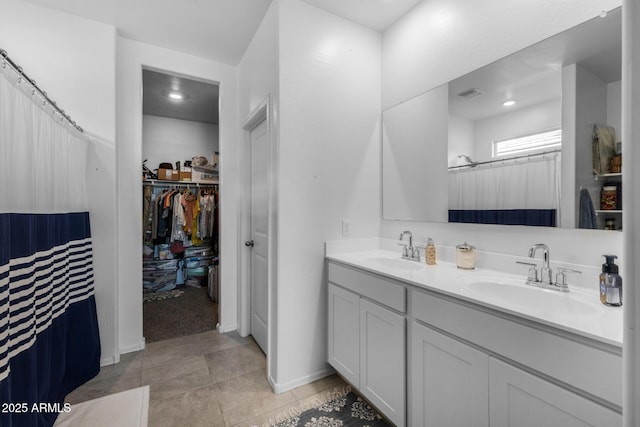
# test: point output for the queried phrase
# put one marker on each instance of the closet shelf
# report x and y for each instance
(608, 176)
(608, 211)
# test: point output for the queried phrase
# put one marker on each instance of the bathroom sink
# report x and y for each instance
(396, 263)
(515, 293)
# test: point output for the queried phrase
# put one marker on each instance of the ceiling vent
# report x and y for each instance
(470, 93)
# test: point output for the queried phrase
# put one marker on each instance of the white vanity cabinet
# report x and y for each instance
(366, 337)
(440, 358)
(457, 377)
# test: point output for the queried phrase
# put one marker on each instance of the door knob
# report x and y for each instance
(249, 243)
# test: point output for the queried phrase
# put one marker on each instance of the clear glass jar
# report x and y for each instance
(466, 256)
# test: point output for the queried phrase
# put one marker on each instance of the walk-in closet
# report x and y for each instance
(181, 193)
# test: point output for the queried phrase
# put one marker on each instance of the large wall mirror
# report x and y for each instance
(531, 139)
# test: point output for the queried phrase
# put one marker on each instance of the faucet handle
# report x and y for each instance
(533, 271)
(561, 277)
(405, 251)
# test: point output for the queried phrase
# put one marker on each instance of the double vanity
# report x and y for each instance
(434, 345)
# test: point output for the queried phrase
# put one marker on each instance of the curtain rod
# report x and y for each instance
(474, 164)
(18, 70)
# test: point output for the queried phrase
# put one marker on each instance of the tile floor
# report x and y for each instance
(206, 379)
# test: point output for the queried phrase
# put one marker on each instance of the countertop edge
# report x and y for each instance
(529, 320)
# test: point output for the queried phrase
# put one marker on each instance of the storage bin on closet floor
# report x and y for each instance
(159, 275)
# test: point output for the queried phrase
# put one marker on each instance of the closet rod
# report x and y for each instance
(154, 183)
(18, 70)
(506, 159)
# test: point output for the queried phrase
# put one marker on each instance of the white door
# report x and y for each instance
(259, 238)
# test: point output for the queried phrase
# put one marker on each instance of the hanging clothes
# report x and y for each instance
(179, 220)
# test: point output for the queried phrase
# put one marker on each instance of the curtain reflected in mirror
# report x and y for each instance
(524, 191)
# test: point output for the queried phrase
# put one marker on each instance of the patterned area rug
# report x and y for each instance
(159, 296)
(344, 408)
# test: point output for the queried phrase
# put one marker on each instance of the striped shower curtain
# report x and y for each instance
(522, 192)
(49, 340)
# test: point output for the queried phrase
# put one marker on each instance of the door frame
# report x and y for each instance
(261, 113)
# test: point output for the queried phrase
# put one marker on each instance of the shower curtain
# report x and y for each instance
(524, 192)
(49, 340)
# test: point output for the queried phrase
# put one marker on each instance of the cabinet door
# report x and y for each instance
(382, 360)
(449, 381)
(343, 333)
(519, 399)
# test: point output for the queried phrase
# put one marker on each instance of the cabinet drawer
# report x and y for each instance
(567, 357)
(383, 291)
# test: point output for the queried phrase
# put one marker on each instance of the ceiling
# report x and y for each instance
(199, 100)
(219, 30)
(375, 14)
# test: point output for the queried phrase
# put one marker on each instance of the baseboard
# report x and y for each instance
(130, 349)
(111, 360)
(283, 388)
(226, 328)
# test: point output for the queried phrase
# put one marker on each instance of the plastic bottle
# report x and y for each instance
(610, 282)
(430, 252)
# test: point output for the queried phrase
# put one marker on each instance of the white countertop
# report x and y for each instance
(578, 311)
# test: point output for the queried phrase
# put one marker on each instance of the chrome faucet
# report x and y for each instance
(409, 252)
(545, 270)
(545, 278)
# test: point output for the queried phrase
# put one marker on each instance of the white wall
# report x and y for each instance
(170, 140)
(78, 73)
(512, 124)
(614, 107)
(329, 155)
(461, 134)
(132, 57)
(417, 56)
(258, 82)
(591, 107)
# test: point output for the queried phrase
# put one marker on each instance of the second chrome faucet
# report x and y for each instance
(545, 278)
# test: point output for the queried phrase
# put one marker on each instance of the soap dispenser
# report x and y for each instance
(610, 282)
(430, 252)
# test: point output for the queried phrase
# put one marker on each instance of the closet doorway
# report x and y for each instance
(180, 259)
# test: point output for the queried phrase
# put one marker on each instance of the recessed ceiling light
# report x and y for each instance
(508, 103)
(175, 95)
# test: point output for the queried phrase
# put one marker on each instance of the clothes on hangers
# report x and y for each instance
(183, 215)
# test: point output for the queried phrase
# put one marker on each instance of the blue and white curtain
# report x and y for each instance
(49, 340)
(522, 192)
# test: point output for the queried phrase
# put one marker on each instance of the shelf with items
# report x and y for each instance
(609, 214)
